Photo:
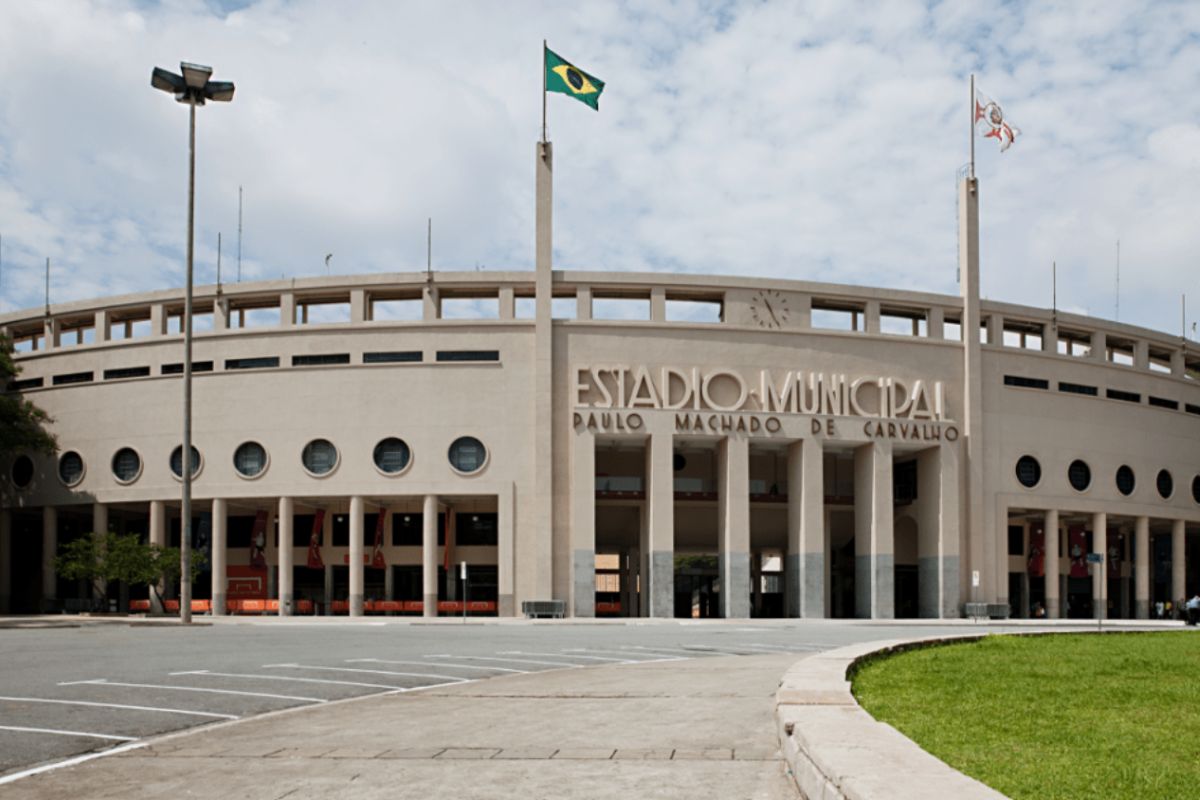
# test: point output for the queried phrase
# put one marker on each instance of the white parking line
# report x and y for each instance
(119, 705)
(514, 660)
(285, 678)
(568, 655)
(651, 657)
(435, 664)
(70, 762)
(106, 682)
(371, 671)
(84, 734)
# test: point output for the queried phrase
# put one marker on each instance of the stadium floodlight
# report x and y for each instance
(193, 87)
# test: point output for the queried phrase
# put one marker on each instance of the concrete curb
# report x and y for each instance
(837, 751)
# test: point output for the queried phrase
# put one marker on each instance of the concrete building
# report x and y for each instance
(632, 444)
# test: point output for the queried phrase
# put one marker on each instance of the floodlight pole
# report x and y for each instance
(185, 543)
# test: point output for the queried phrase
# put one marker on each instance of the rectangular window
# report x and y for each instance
(238, 531)
(395, 357)
(260, 362)
(27, 383)
(1163, 402)
(1026, 383)
(1191, 409)
(1077, 388)
(74, 377)
(177, 369)
(468, 355)
(476, 529)
(341, 530)
(317, 360)
(126, 372)
(1128, 397)
(407, 530)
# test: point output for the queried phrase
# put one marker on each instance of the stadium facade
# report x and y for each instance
(626, 444)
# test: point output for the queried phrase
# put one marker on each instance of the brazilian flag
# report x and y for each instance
(561, 76)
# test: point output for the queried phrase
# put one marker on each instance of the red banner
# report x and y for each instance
(314, 540)
(1077, 550)
(377, 557)
(1037, 551)
(246, 583)
(448, 550)
(258, 541)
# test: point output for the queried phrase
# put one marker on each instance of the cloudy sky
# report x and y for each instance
(812, 140)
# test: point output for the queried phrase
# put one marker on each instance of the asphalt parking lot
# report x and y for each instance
(70, 691)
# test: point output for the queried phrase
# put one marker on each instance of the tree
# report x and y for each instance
(122, 558)
(22, 424)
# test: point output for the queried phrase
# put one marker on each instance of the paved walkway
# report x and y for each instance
(701, 728)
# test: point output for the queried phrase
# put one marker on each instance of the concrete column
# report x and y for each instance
(99, 535)
(1178, 562)
(102, 330)
(1141, 354)
(356, 556)
(358, 306)
(938, 532)
(508, 304)
(1049, 338)
(328, 588)
(1099, 349)
(658, 304)
(49, 551)
(995, 329)
(1051, 537)
(429, 553)
(5, 561)
(1141, 569)
(431, 305)
(871, 316)
(286, 553)
(583, 524)
(1100, 571)
(506, 604)
(658, 532)
(389, 583)
(801, 305)
(158, 319)
(874, 557)
(583, 302)
(287, 309)
(220, 577)
(733, 521)
(805, 571)
(935, 323)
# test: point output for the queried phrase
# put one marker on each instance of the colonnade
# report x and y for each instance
(807, 559)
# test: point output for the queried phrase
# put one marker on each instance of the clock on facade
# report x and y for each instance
(769, 308)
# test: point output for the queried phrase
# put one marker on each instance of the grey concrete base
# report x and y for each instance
(662, 583)
(1052, 608)
(1099, 611)
(874, 587)
(583, 583)
(836, 750)
(220, 605)
(287, 605)
(356, 605)
(734, 570)
(950, 593)
(429, 605)
(814, 586)
(506, 606)
(1141, 609)
(929, 594)
(793, 587)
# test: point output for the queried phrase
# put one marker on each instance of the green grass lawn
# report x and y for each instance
(1059, 716)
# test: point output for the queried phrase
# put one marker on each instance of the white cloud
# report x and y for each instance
(802, 140)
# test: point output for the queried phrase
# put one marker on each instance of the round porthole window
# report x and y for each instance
(177, 461)
(22, 471)
(1125, 481)
(1029, 471)
(250, 459)
(467, 455)
(126, 465)
(1080, 475)
(320, 456)
(1165, 484)
(70, 468)
(392, 456)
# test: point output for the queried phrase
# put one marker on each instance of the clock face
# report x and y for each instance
(769, 309)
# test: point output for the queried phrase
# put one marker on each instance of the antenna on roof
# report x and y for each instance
(1118, 313)
(1054, 296)
(239, 257)
(429, 252)
(47, 286)
(218, 262)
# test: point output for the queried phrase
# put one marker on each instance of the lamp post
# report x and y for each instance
(192, 88)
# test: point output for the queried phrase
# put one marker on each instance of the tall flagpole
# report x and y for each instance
(544, 49)
(972, 125)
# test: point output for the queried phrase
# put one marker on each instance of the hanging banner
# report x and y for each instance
(377, 556)
(314, 540)
(1037, 551)
(258, 541)
(1077, 550)
(448, 549)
